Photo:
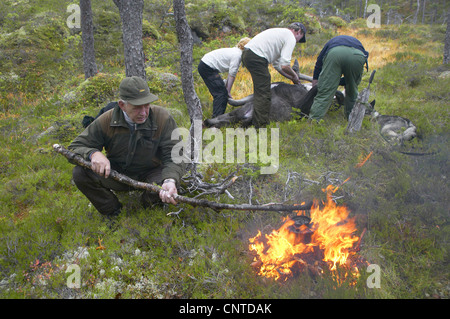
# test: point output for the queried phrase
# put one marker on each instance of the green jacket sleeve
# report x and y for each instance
(170, 169)
(89, 141)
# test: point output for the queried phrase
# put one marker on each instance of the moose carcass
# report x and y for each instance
(286, 99)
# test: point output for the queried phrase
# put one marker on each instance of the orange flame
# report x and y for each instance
(330, 233)
(334, 230)
(277, 250)
(360, 164)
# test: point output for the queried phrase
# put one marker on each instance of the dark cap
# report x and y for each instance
(135, 91)
(297, 26)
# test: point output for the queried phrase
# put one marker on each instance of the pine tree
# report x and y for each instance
(447, 42)
(131, 16)
(87, 35)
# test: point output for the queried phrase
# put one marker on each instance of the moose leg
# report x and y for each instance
(307, 101)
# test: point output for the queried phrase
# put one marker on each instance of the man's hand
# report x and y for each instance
(100, 164)
(287, 72)
(169, 189)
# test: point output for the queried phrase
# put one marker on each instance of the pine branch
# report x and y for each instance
(78, 160)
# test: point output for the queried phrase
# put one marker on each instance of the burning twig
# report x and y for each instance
(358, 244)
(364, 160)
(78, 160)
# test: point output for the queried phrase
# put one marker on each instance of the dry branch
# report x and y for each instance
(358, 244)
(78, 160)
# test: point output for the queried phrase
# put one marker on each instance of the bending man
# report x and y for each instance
(342, 55)
(221, 61)
(272, 46)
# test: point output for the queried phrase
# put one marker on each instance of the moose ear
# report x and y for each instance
(371, 109)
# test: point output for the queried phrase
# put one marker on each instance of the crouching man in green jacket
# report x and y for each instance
(136, 137)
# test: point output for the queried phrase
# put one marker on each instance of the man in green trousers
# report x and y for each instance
(342, 55)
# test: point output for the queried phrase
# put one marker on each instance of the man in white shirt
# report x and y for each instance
(272, 46)
(221, 61)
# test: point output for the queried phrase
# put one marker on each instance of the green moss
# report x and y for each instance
(337, 21)
(94, 91)
(149, 30)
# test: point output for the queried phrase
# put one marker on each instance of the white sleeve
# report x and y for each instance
(234, 66)
(286, 52)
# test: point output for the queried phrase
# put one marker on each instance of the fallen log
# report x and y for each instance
(79, 160)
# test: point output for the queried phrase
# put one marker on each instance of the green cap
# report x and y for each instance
(135, 91)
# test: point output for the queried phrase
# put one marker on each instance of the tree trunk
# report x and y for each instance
(447, 42)
(359, 9)
(131, 16)
(187, 79)
(365, 9)
(87, 36)
(186, 44)
(417, 12)
(423, 12)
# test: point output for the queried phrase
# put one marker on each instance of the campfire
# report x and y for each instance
(326, 239)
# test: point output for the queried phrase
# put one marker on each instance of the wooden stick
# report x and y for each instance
(358, 244)
(78, 160)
